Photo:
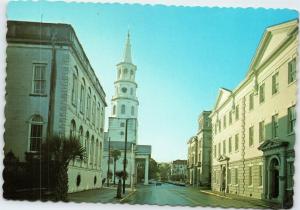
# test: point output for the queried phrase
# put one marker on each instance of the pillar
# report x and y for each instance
(146, 170)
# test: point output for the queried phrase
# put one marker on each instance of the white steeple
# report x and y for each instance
(127, 50)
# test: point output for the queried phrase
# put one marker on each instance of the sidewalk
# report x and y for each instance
(102, 195)
(262, 203)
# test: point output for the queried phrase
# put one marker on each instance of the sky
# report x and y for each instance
(183, 56)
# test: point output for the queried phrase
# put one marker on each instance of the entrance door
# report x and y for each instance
(274, 175)
(223, 179)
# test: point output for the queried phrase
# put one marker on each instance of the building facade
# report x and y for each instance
(179, 169)
(204, 149)
(199, 153)
(253, 125)
(123, 123)
(52, 89)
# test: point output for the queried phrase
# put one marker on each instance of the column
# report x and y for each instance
(146, 170)
(282, 177)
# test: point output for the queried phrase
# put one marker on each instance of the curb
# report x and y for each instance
(215, 194)
(127, 196)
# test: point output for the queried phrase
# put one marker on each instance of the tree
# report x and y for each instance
(116, 155)
(153, 169)
(62, 150)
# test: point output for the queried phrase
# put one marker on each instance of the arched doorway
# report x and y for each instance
(274, 178)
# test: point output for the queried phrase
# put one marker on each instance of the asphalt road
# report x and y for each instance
(168, 194)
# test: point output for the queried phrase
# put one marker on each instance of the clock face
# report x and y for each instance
(124, 89)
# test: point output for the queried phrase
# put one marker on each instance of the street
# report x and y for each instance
(168, 194)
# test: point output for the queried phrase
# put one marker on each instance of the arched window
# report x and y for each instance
(36, 133)
(94, 110)
(81, 136)
(131, 74)
(132, 110)
(73, 129)
(114, 109)
(87, 145)
(125, 71)
(123, 109)
(88, 105)
(74, 87)
(92, 148)
(97, 154)
(82, 96)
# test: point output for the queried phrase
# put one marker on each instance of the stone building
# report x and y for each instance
(199, 153)
(179, 169)
(123, 123)
(51, 89)
(253, 124)
(204, 149)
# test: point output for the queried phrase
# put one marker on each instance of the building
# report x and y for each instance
(123, 123)
(192, 160)
(52, 89)
(204, 149)
(179, 169)
(253, 124)
(199, 153)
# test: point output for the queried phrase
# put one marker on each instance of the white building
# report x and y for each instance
(52, 89)
(253, 124)
(123, 122)
(179, 168)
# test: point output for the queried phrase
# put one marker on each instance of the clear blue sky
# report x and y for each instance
(183, 54)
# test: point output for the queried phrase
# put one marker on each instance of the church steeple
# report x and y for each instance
(127, 51)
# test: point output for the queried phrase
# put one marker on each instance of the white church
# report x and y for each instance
(123, 124)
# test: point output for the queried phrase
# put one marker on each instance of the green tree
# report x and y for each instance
(62, 150)
(116, 155)
(153, 169)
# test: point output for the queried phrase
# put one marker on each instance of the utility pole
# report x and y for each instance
(108, 162)
(125, 159)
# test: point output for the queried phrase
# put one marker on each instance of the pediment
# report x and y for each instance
(223, 158)
(272, 143)
(223, 95)
(273, 39)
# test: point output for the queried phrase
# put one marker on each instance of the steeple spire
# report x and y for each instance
(127, 51)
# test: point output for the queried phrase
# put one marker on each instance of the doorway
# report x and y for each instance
(274, 178)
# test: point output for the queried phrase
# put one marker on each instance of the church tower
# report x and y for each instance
(124, 102)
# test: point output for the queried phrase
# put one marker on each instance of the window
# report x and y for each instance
(275, 126)
(119, 73)
(94, 111)
(250, 176)
(251, 133)
(251, 101)
(229, 145)
(73, 129)
(260, 175)
(236, 140)
(224, 147)
(292, 71)
(39, 79)
(291, 119)
(88, 105)
(74, 90)
(36, 133)
(224, 121)
(275, 84)
(123, 109)
(230, 117)
(262, 93)
(261, 131)
(132, 110)
(114, 109)
(215, 151)
(237, 112)
(290, 174)
(236, 176)
(82, 99)
(122, 124)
